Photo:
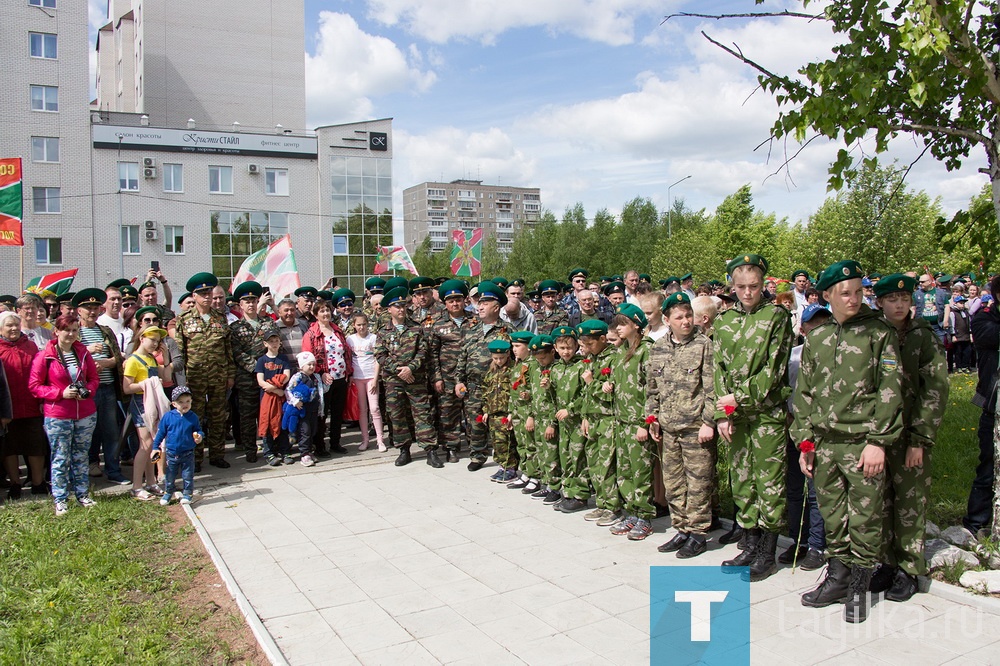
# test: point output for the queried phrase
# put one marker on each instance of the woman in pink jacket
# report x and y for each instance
(64, 377)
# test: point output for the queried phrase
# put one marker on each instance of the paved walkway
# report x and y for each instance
(358, 561)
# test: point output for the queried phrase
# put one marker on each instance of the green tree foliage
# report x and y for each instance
(969, 238)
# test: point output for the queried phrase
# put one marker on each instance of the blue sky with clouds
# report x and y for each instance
(594, 101)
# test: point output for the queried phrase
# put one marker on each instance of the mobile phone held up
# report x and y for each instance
(154, 266)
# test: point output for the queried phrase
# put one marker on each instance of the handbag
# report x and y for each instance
(351, 405)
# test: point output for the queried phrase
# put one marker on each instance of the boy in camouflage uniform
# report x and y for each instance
(521, 410)
(925, 395)
(570, 479)
(542, 424)
(848, 409)
(496, 411)
(680, 402)
(598, 421)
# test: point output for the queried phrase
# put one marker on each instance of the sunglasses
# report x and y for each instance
(150, 320)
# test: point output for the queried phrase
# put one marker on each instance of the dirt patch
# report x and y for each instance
(207, 594)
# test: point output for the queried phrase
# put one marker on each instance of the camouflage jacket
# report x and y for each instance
(629, 378)
(248, 341)
(751, 358)
(396, 348)
(568, 386)
(496, 391)
(446, 339)
(206, 345)
(849, 387)
(679, 384)
(925, 382)
(520, 388)
(427, 318)
(543, 400)
(474, 360)
(546, 321)
(345, 325)
(595, 402)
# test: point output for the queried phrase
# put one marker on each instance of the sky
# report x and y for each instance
(593, 101)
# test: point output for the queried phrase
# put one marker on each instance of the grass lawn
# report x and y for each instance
(121, 583)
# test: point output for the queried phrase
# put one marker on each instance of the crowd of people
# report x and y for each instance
(826, 395)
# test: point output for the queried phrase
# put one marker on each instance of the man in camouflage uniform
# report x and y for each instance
(496, 411)
(550, 315)
(248, 335)
(373, 286)
(473, 363)
(752, 344)
(205, 342)
(848, 406)
(598, 422)
(403, 360)
(925, 395)
(680, 396)
(342, 302)
(446, 349)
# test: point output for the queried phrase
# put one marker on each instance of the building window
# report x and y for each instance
(44, 98)
(128, 176)
(130, 239)
(173, 178)
(220, 179)
(276, 182)
(173, 239)
(42, 45)
(361, 207)
(44, 149)
(238, 234)
(48, 251)
(46, 200)
(48, 4)
(340, 245)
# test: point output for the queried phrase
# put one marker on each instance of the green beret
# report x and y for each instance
(645, 277)
(890, 284)
(186, 295)
(523, 337)
(616, 287)
(800, 272)
(633, 312)
(591, 327)
(129, 292)
(875, 277)
(489, 291)
(200, 281)
(501, 282)
(343, 295)
(306, 291)
(838, 272)
(498, 346)
(747, 260)
(541, 343)
(146, 285)
(248, 288)
(663, 283)
(452, 288)
(9, 300)
(119, 283)
(90, 296)
(678, 298)
(375, 285)
(396, 295)
(549, 287)
(687, 276)
(148, 309)
(65, 298)
(578, 271)
(394, 282)
(564, 332)
(324, 295)
(516, 282)
(420, 283)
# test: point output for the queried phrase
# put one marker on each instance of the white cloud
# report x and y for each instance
(448, 153)
(351, 67)
(97, 13)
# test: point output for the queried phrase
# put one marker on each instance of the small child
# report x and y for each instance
(181, 431)
(520, 411)
(365, 378)
(308, 400)
(496, 411)
(273, 373)
(705, 311)
(542, 423)
(573, 479)
(598, 421)
(613, 339)
(652, 307)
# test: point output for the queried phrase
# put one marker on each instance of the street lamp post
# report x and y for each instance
(670, 228)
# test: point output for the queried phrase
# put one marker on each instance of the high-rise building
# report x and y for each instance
(437, 209)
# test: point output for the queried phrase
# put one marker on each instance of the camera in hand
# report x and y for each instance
(81, 389)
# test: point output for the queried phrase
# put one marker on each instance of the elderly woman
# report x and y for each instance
(334, 364)
(64, 377)
(31, 309)
(25, 432)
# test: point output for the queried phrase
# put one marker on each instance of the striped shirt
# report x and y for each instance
(90, 335)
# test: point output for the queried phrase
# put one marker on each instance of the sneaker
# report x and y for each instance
(624, 526)
(307, 461)
(596, 514)
(164, 501)
(552, 497)
(610, 518)
(87, 502)
(570, 505)
(143, 495)
(508, 476)
(288, 460)
(540, 493)
(813, 560)
(273, 461)
(642, 529)
(95, 469)
(118, 480)
(185, 500)
(497, 474)
(61, 508)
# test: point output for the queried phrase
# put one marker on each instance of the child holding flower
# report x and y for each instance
(544, 458)
(496, 411)
(598, 421)
(571, 478)
(520, 409)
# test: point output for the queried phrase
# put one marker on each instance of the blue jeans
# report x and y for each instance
(184, 462)
(70, 440)
(307, 428)
(277, 446)
(107, 430)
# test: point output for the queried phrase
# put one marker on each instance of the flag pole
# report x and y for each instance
(21, 281)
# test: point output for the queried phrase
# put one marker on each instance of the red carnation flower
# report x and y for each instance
(605, 371)
(807, 446)
(587, 360)
(729, 409)
(515, 385)
(479, 418)
(546, 372)
(650, 420)
(505, 420)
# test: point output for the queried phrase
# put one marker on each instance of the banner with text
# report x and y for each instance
(11, 202)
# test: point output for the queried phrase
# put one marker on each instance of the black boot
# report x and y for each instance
(859, 599)
(903, 587)
(882, 578)
(745, 557)
(433, 460)
(763, 565)
(733, 535)
(404, 456)
(833, 589)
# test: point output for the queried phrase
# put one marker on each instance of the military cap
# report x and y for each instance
(420, 283)
(549, 287)
(440, 281)
(617, 278)
(92, 296)
(645, 277)
(343, 295)
(119, 283)
(394, 282)
(324, 295)
(146, 284)
(616, 287)
(148, 309)
(673, 279)
(501, 282)
(65, 298)
(489, 291)
(534, 295)
(633, 312)
(687, 276)
(452, 288)
(663, 283)
(395, 296)
(8, 300)
(591, 327)
(677, 298)
(516, 282)
(375, 285)
(186, 295)
(564, 332)
(875, 277)
(306, 291)
(200, 281)
(578, 271)
(129, 293)
(230, 299)
(498, 346)
(605, 278)
(248, 288)
(943, 278)
(893, 283)
(568, 289)
(747, 260)
(541, 343)
(524, 337)
(799, 272)
(847, 269)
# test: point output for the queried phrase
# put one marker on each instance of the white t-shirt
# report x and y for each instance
(121, 331)
(364, 355)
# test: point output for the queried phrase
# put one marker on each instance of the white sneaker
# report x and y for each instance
(307, 461)
(87, 503)
(61, 508)
(164, 501)
(185, 500)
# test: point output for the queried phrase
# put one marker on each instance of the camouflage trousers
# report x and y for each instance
(758, 472)
(501, 439)
(574, 476)
(905, 510)
(602, 463)
(527, 452)
(688, 469)
(851, 505)
(479, 448)
(69, 441)
(449, 418)
(634, 471)
(248, 396)
(549, 465)
(410, 404)
(212, 407)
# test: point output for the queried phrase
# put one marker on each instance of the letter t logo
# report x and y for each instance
(701, 610)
